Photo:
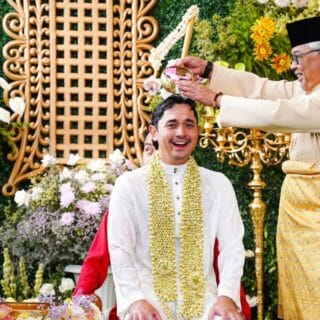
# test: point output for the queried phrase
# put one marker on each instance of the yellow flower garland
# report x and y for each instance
(162, 247)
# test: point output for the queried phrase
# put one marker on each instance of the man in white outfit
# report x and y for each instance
(170, 212)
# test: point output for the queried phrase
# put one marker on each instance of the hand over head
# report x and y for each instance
(196, 91)
(194, 64)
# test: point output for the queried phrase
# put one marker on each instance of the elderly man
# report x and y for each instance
(246, 100)
(170, 212)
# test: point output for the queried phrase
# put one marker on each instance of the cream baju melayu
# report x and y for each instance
(284, 106)
(129, 243)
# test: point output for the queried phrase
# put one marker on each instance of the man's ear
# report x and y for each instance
(154, 132)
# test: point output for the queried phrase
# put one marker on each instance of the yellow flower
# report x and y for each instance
(262, 51)
(281, 63)
(262, 30)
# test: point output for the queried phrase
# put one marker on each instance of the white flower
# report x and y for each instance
(31, 300)
(48, 160)
(47, 289)
(282, 3)
(4, 84)
(262, 1)
(152, 85)
(81, 176)
(4, 115)
(36, 193)
(97, 165)
(116, 157)
(252, 301)
(158, 54)
(98, 176)
(17, 105)
(73, 159)
(9, 299)
(249, 254)
(22, 198)
(67, 218)
(299, 3)
(65, 174)
(67, 284)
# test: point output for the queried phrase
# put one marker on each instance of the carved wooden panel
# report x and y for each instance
(79, 65)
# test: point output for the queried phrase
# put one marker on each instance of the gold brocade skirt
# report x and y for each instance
(298, 242)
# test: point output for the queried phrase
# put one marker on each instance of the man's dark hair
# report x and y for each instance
(168, 104)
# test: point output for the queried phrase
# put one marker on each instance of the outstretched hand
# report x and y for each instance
(143, 310)
(226, 309)
(196, 91)
(194, 64)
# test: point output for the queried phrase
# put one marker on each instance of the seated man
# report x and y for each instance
(170, 213)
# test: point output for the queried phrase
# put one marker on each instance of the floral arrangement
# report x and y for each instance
(262, 31)
(254, 34)
(58, 214)
(77, 308)
(158, 54)
(41, 301)
(16, 105)
(15, 285)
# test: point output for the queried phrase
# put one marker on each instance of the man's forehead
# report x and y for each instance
(300, 48)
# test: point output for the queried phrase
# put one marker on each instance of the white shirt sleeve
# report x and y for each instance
(252, 102)
(230, 233)
(122, 239)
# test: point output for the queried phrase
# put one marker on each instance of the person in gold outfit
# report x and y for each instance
(248, 101)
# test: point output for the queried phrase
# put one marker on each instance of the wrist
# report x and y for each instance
(208, 70)
(217, 100)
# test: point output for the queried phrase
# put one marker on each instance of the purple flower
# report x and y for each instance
(88, 187)
(88, 207)
(67, 218)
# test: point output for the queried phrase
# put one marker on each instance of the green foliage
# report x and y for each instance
(170, 12)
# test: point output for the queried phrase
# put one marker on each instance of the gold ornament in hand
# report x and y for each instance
(172, 74)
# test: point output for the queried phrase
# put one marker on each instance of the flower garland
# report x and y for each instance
(159, 53)
(162, 247)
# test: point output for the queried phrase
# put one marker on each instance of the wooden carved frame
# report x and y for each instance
(79, 65)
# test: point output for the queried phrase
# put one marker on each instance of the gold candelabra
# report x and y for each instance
(252, 147)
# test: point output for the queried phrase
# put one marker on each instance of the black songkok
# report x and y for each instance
(304, 31)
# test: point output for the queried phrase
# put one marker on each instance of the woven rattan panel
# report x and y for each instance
(79, 65)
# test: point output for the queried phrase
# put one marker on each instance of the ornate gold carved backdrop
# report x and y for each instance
(79, 65)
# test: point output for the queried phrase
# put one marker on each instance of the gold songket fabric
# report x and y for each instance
(298, 242)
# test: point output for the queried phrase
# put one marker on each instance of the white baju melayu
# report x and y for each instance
(129, 243)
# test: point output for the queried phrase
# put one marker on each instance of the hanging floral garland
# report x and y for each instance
(161, 221)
